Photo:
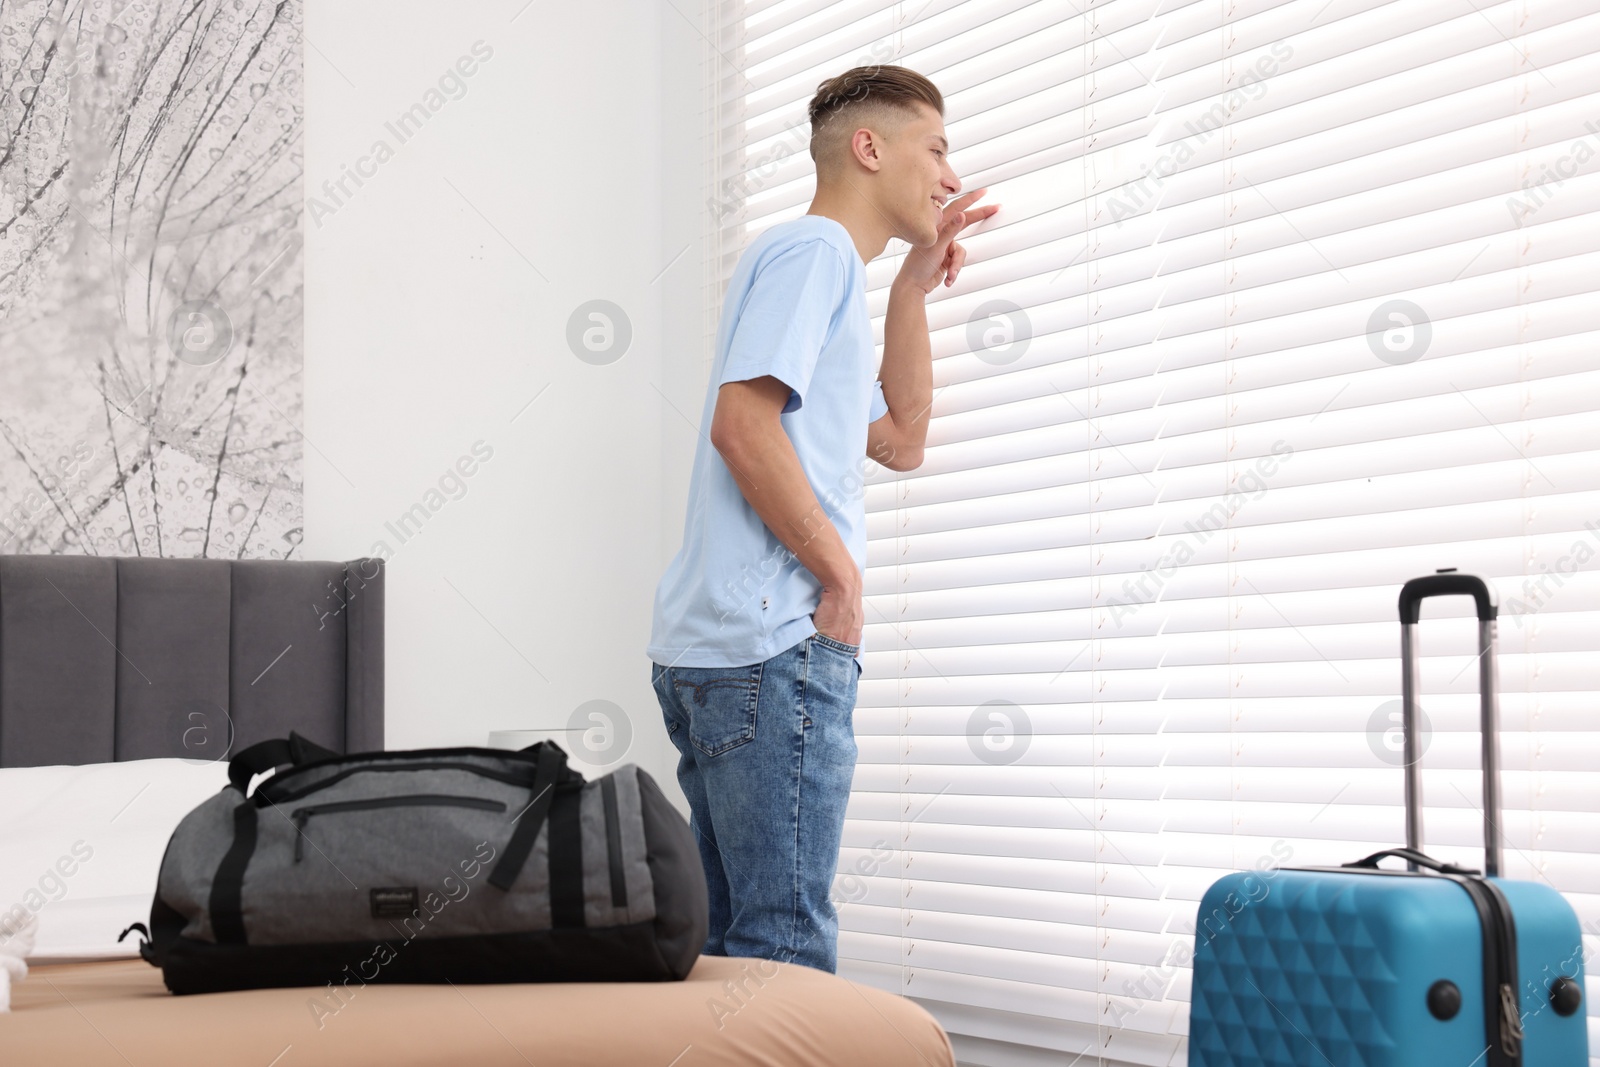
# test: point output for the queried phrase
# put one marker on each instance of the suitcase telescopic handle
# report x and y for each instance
(1447, 582)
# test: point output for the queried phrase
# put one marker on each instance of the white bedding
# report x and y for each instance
(80, 848)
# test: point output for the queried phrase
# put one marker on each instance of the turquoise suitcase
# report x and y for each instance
(1362, 966)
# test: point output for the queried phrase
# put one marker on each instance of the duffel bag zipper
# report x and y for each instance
(264, 793)
(302, 815)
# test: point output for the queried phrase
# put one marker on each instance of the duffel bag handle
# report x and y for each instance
(550, 769)
(1411, 856)
(272, 754)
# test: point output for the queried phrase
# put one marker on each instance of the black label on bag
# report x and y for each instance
(394, 901)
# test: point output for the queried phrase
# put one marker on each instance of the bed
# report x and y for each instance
(134, 678)
(118, 1013)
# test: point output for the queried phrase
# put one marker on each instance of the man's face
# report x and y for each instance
(920, 179)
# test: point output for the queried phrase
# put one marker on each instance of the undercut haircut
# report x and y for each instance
(881, 98)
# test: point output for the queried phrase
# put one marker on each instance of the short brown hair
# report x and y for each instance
(880, 97)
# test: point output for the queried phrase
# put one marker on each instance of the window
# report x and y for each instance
(1288, 302)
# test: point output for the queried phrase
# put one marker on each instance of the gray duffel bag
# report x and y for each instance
(447, 864)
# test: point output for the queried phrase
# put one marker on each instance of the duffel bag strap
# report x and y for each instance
(1410, 855)
(551, 768)
(269, 755)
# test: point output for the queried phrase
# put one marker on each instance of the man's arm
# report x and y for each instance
(746, 431)
(896, 440)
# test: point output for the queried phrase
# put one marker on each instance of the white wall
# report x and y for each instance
(438, 298)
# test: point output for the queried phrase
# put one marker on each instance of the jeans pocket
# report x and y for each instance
(835, 672)
(720, 703)
(671, 709)
(838, 646)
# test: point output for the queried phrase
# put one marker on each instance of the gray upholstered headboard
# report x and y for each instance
(120, 658)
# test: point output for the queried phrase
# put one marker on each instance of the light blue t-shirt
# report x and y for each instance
(796, 308)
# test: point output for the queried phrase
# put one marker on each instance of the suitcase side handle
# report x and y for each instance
(1412, 857)
(1447, 582)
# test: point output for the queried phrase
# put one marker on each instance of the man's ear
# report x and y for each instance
(867, 147)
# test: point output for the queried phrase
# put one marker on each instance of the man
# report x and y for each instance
(756, 635)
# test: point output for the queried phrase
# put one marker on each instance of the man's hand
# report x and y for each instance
(839, 614)
(925, 268)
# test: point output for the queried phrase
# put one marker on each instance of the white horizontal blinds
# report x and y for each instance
(1512, 479)
(722, 58)
(1170, 530)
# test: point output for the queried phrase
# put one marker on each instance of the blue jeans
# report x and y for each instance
(766, 757)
